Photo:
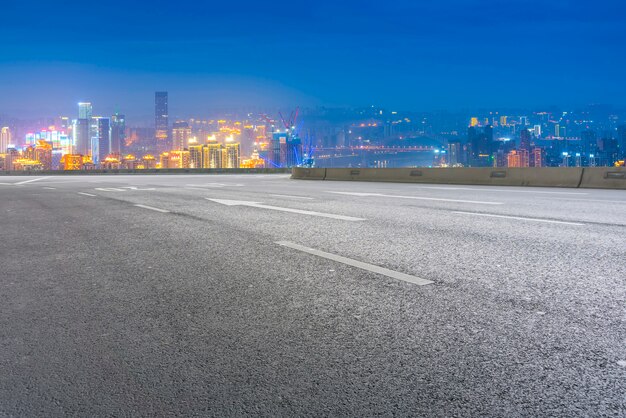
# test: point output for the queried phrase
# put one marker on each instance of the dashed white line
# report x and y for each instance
(31, 180)
(152, 208)
(358, 264)
(87, 194)
(49, 188)
(520, 218)
(300, 211)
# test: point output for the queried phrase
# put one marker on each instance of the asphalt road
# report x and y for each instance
(166, 295)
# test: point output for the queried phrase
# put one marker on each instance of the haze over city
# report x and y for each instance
(404, 55)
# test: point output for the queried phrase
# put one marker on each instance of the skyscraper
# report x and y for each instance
(104, 140)
(524, 140)
(161, 121)
(5, 139)
(231, 155)
(118, 133)
(82, 141)
(81, 130)
(181, 132)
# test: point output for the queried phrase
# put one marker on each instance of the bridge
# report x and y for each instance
(258, 294)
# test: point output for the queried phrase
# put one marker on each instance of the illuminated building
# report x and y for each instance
(503, 121)
(293, 154)
(537, 157)
(149, 162)
(480, 143)
(161, 121)
(43, 154)
(195, 156)
(11, 155)
(72, 162)
(103, 140)
(25, 164)
(524, 139)
(118, 134)
(110, 163)
(175, 159)
(6, 138)
(181, 132)
(473, 121)
(518, 158)
(82, 138)
(454, 153)
(278, 149)
(231, 156)
(212, 155)
(513, 159)
(537, 131)
(129, 162)
(255, 161)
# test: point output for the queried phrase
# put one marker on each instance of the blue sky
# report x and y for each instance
(417, 55)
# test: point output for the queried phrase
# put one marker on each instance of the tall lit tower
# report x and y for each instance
(104, 140)
(5, 139)
(161, 121)
(81, 129)
(118, 133)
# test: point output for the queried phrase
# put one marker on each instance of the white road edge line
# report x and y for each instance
(153, 208)
(49, 188)
(87, 194)
(488, 189)
(520, 218)
(30, 181)
(358, 264)
(292, 196)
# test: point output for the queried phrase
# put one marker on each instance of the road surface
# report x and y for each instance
(230, 295)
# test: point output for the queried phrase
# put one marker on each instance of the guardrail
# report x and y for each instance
(149, 171)
(574, 177)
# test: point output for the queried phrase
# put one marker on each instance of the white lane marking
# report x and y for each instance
(137, 188)
(300, 211)
(109, 189)
(500, 190)
(358, 264)
(7, 184)
(292, 196)
(30, 181)
(49, 188)
(87, 194)
(153, 208)
(478, 202)
(519, 218)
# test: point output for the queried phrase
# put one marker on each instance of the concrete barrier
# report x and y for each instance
(301, 173)
(604, 178)
(148, 171)
(539, 177)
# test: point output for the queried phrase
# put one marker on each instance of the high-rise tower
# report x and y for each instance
(118, 133)
(5, 139)
(161, 121)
